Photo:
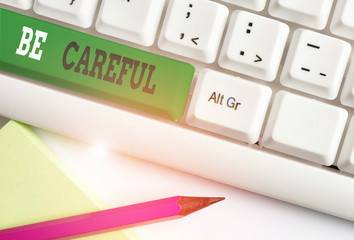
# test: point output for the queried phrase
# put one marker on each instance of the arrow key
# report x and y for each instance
(253, 45)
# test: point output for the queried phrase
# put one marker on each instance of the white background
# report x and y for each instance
(120, 180)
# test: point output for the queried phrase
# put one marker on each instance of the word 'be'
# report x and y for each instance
(25, 44)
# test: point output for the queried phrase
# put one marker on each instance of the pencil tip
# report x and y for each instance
(193, 204)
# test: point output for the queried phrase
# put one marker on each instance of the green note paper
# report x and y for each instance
(35, 185)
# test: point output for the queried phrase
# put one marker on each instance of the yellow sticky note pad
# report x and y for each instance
(36, 186)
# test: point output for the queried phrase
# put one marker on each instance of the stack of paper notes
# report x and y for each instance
(36, 186)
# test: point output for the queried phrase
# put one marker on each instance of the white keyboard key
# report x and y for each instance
(253, 45)
(256, 5)
(182, 32)
(343, 19)
(315, 63)
(23, 4)
(313, 13)
(346, 157)
(304, 128)
(347, 96)
(76, 12)
(134, 21)
(229, 105)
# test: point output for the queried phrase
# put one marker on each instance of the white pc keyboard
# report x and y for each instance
(270, 107)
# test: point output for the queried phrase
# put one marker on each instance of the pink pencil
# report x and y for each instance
(110, 219)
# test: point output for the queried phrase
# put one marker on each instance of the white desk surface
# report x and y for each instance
(120, 180)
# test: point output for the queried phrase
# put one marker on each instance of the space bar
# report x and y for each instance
(167, 144)
(92, 66)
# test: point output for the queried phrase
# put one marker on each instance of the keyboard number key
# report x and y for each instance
(76, 12)
(253, 45)
(304, 128)
(315, 64)
(229, 105)
(193, 28)
(134, 21)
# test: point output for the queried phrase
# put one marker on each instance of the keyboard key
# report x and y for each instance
(134, 21)
(76, 12)
(346, 157)
(315, 63)
(253, 45)
(312, 13)
(304, 128)
(92, 66)
(343, 19)
(256, 5)
(23, 4)
(347, 96)
(182, 33)
(229, 105)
